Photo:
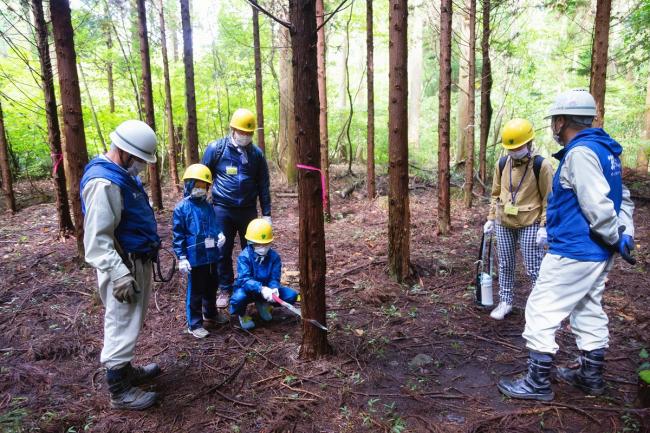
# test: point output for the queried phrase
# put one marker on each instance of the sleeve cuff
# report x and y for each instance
(119, 272)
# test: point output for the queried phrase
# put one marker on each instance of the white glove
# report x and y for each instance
(541, 237)
(184, 266)
(488, 227)
(267, 293)
(268, 219)
(221, 240)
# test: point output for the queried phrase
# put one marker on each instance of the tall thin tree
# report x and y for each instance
(468, 188)
(5, 168)
(147, 94)
(486, 90)
(192, 133)
(370, 144)
(109, 59)
(322, 97)
(398, 180)
(311, 246)
(74, 149)
(600, 47)
(444, 108)
(172, 149)
(53, 131)
(259, 94)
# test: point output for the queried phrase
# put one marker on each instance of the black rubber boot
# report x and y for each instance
(587, 374)
(140, 375)
(536, 384)
(123, 394)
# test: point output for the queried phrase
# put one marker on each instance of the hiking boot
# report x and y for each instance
(587, 374)
(218, 319)
(246, 322)
(123, 394)
(199, 332)
(141, 374)
(223, 299)
(264, 310)
(501, 311)
(536, 384)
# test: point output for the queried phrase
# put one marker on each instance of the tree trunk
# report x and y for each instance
(311, 251)
(398, 175)
(169, 112)
(444, 108)
(74, 149)
(92, 109)
(486, 90)
(287, 121)
(598, 79)
(644, 147)
(147, 93)
(471, 108)
(259, 98)
(372, 192)
(109, 62)
(7, 183)
(416, 68)
(463, 119)
(322, 97)
(192, 134)
(53, 131)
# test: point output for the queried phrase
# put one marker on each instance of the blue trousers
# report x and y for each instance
(240, 299)
(201, 295)
(232, 221)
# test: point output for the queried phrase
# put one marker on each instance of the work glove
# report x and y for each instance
(625, 246)
(125, 289)
(541, 238)
(184, 266)
(268, 219)
(488, 227)
(221, 240)
(267, 293)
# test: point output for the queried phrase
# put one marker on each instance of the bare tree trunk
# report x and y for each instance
(259, 98)
(172, 149)
(598, 79)
(444, 108)
(130, 68)
(463, 119)
(147, 93)
(416, 69)
(192, 135)
(471, 108)
(109, 62)
(53, 131)
(7, 183)
(92, 109)
(74, 149)
(322, 97)
(372, 192)
(311, 251)
(287, 141)
(398, 175)
(644, 147)
(486, 90)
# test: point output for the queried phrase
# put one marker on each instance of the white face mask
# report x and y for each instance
(136, 167)
(241, 140)
(198, 193)
(261, 250)
(519, 154)
(556, 136)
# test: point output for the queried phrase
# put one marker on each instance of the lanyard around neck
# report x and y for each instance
(516, 191)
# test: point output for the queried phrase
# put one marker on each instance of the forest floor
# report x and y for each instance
(407, 358)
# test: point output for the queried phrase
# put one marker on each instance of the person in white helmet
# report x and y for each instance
(121, 241)
(588, 220)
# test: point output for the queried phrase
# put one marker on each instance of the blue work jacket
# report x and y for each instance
(254, 271)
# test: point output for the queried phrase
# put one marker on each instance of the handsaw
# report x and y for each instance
(297, 312)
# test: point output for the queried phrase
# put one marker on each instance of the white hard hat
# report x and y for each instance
(137, 138)
(573, 103)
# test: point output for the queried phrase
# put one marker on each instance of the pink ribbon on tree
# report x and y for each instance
(57, 159)
(322, 181)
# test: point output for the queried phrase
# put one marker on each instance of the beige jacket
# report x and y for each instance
(530, 198)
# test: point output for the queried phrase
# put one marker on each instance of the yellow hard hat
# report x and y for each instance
(243, 120)
(259, 231)
(516, 133)
(198, 172)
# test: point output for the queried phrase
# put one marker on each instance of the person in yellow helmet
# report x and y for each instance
(259, 269)
(520, 186)
(241, 178)
(197, 238)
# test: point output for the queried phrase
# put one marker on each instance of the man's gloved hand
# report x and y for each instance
(625, 246)
(221, 240)
(488, 227)
(184, 266)
(268, 219)
(541, 237)
(125, 289)
(267, 293)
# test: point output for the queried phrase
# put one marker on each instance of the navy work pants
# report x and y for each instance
(232, 220)
(201, 295)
